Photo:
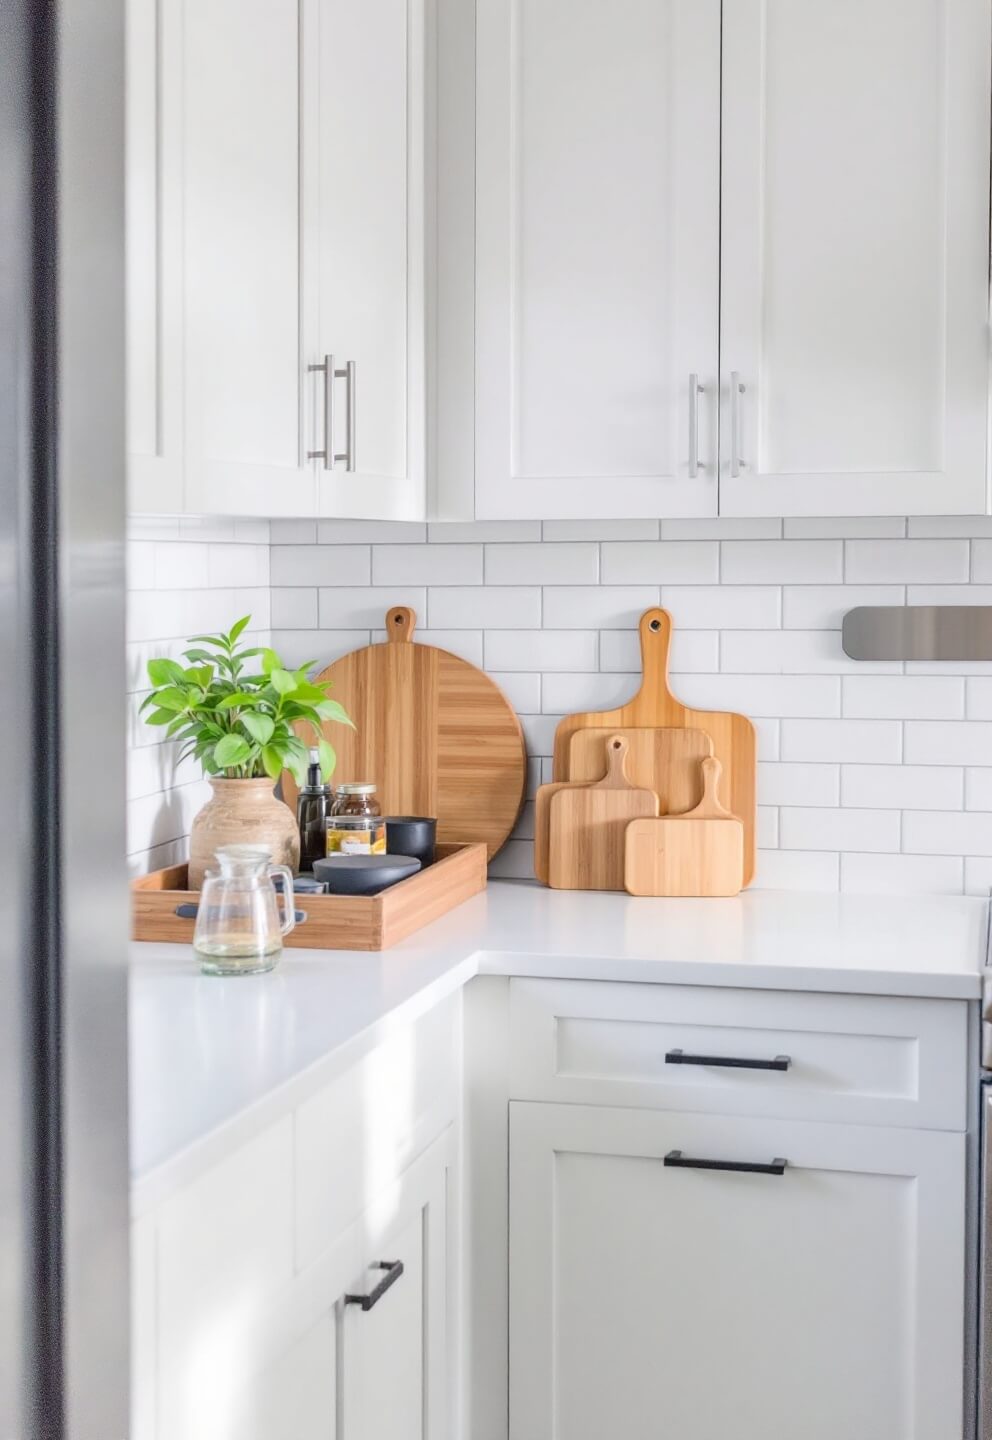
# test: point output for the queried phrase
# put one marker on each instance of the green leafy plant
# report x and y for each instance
(240, 726)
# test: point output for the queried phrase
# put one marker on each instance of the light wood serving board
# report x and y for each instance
(654, 705)
(588, 823)
(542, 823)
(666, 761)
(701, 853)
(433, 732)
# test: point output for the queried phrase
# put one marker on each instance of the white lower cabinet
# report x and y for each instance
(651, 1300)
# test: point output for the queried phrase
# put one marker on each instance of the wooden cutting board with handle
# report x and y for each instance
(701, 853)
(665, 760)
(588, 823)
(436, 735)
(654, 705)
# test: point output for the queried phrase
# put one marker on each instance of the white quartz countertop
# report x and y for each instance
(213, 1060)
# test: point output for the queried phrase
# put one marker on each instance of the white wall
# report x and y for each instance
(872, 777)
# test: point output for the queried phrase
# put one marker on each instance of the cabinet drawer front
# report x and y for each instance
(865, 1059)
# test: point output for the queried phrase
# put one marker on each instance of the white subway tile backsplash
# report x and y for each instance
(948, 742)
(823, 607)
(692, 650)
(766, 695)
(181, 567)
(679, 529)
(977, 789)
(781, 783)
(950, 832)
(358, 608)
(822, 829)
(601, 529)
(511, 607)
(458, 532)
(833, 528)
(906, 562)
(797, 870)
(370, 532)
(597, 607)
(543, 650)
(238, 564)
(427, 565)
(661, 562)
(521, 688)
(900, 874)
(902, 787)
(940, 526)
(293, 532)
(981, 561)
(978, 705)
(850, 741)
(320, 565)
(903, 697)
(723, 607)
(466, 644)
(788, 652)
(781, 562)
(539, 733)
(323, 646)
(294, 609)
(566, 694)
(514, 564)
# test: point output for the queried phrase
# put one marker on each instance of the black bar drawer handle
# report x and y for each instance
(677, 1161)
(730, 1062)
(393, 1269)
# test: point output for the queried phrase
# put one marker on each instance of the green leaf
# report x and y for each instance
(217, 640)
(270, 661)
(239, 697)
(165, 672)
(238, 626)
(328, 758)
(199, 655)
(160, 717)
(259, 727)
(200, 675)
(172, 698)
(283, 681)
(272, 760)
(231, 750)
(334, 710)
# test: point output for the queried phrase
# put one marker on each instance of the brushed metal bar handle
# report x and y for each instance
(677, 1161)
(695, 390)
(349, 453)
(727, 1062)
(328, 368)
(736, 391)
(393, 1269)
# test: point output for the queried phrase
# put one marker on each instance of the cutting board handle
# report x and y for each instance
(400, 624)
(616, 765)
(656, 640)
(709, 808)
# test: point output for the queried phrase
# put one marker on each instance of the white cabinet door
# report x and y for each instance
(854, 296)
(370, 254)
(597, 256)
(154, 308)
(296, 1397)
(249, 138)
(650, 1301)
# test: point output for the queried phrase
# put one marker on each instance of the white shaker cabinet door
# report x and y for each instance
(249, 138)
(154, 308)
(854, 297)
(597, 257)
(370, 257)
(648, 1300)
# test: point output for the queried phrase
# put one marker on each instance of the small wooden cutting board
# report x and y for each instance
(587, 825)
(700, 853)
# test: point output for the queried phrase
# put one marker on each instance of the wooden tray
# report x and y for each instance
(333, 922)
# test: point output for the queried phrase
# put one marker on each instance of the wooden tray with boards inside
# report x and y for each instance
(332, 922)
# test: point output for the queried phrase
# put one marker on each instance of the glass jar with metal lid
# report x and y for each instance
(357, 799)
(355, 825)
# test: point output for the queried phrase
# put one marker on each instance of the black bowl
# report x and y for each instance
(411, 835)
(364, 874)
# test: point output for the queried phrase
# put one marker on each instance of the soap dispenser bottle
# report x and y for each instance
(313, 806)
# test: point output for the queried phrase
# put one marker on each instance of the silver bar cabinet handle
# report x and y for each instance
(736, 391)
(349, 454)
(328, 368)
(695, 390)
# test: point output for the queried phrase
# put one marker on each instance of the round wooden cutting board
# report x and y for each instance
(434, 733)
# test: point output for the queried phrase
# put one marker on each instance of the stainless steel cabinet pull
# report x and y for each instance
(393, 1269)
(695, 390)
(331, 373)
(736, 391)
(677, 1161)
(730, 1062)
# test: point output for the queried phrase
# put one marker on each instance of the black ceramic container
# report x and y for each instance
(411, 835)
(364, 874)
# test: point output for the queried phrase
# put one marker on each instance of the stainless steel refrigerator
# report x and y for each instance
(63, 1058)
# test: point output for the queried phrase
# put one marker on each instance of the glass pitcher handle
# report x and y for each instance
(286, 898)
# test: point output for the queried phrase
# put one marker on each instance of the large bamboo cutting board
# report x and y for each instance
(654, 705)
(434, 733)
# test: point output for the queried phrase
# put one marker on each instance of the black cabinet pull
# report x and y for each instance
(729, 1062)
(677, 1161)
(393, 1269)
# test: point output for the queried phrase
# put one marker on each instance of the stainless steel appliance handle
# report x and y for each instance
(695, 390)
(736, 391)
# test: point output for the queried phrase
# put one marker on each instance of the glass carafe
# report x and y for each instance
(241, 918)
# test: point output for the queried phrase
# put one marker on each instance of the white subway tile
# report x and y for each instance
(322, 646)
(979, 699)
(781, 562)
(796, 870)
(238, 564)
(903, 697)
(901, 874)
(848, 741)
(902, 787)
(542, 564)
(155, 819)
(823, 607)
(180, 566)
(692, 650)
(163, 615)
(547, 650)
(977, 875)
(569, 694)
(466, 644)
(153, 527)
(320, 565)
(766, 827)
(721, 529)
(514, 862)
(293, 532)
(458, 532)
(521, 688)
(507, 607)
(152, 769)
(207, 527)
(846, 528)
(948, 742)
(370, 532)
(427, 565)
(539, 733)
(253, 531)
(661, 562)
(977, 788)
(139, 564)
(722, 607)
(947, 832)
(600, 529)
(981, 561)
(789, 652)
(769, 735)
(524, 828)
(905, 562)
(784, 784)
(768, 695)
(941, 526)
(365, 607)
(294, 609)
(597, 607)
(535, 767)
(949, 595)
(822, 829)
(255, 603)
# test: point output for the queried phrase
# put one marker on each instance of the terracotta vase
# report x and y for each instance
(242, 812)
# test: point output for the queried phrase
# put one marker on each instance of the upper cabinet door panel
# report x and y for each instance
(371, 250)
(247, 318)
(854, 294)
(597, 256)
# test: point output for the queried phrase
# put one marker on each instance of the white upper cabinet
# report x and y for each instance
(154, 257)
(854, 299)
(597, 257)
(370, 255)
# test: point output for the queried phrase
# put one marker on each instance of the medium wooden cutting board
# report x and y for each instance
(654, 705)
(701, 853)
(436, 735)
(587, 826)
(666, 761)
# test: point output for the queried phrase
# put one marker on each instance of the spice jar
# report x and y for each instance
(356, 826)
